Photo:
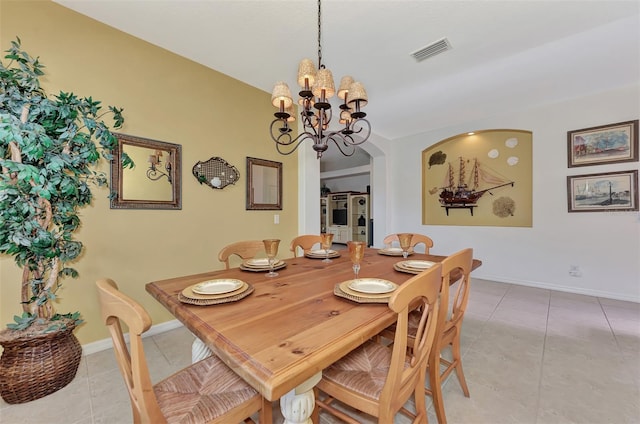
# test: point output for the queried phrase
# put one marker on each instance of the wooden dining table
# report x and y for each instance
(281, 336)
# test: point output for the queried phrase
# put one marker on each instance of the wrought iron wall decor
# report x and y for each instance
(216, 173)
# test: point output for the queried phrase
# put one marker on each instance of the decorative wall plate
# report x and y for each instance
(216, 173)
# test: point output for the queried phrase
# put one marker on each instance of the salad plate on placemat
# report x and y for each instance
(372, 286)
(188, 295)
(260, 265)
(345, 291)
(392, 251)
(220, 286)
(320, 254)
(413, 267)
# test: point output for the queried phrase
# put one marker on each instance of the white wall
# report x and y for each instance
(606, 246)
(348, 183)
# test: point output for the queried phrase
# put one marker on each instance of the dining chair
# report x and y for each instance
(377, 379)
(247, 249)
(305, 242)
(205, 392)
(449, 328)
(415, 240)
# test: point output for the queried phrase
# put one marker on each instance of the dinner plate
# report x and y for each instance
(258, 262)
(219, 286)
(321, 252)
(393, 251)
(372, 285)
(421, 265)
(278, 265)
(189, 293)
(261, 264)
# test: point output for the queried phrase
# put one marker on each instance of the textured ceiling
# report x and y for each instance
(506, 55)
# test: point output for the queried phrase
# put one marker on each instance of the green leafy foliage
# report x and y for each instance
(59, 140)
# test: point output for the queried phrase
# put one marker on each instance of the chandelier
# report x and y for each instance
(316, 113)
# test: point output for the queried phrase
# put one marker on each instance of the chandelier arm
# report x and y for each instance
(358, 126)
(284, 139)
(340, 140)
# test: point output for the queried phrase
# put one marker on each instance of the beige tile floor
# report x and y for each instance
(530, 356)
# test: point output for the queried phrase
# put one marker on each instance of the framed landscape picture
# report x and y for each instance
(604, 192)
(605, 144)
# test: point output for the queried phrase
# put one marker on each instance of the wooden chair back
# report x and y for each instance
(247, 249)
(358, 381)
(114, 308)
(408, 366)
(305, 242)
(415, 240)
(449, 328)
(463, 261)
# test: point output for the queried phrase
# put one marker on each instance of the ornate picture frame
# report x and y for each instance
(605, 144)
(155, 182)
(603, 192)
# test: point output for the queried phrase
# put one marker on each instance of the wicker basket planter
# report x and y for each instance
(35, 365)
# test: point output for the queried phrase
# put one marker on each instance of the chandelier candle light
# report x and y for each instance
(317, 88)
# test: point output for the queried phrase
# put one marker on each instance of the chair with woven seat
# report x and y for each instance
(305, 242)
(415, 240)
(378, 380)
(205, 392)
(449, 328)
(247, 249)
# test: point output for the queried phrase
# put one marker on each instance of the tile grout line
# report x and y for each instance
(544, 348)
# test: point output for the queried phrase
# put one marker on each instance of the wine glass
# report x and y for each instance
(271, 247)
(356, 252)
(405, 243)
(326, 241)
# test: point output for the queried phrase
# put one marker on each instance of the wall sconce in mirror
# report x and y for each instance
(154, 173)
(216, 173)
(141, 187)
(264, 184)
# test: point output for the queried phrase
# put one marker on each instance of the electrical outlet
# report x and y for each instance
(574, 271)
(276, 219)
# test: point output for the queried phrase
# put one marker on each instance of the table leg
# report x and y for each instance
(297, 405)
(199, 351)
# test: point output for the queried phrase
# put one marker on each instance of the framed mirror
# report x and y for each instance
(264, 184)
(156, 178)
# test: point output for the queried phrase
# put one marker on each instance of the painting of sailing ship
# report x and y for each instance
(461, 191)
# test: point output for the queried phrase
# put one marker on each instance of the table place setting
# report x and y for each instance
(214, 292)
(363, 290)
(392, 251)
(413, 267)
(261, 265)
(321, 254)
(366, 290)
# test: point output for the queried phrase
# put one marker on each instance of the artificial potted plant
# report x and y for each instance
(48, 146)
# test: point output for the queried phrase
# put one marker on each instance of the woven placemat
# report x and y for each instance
(338, 291)
(216, 300)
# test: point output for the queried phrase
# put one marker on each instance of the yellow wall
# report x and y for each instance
(166, 98)
(502, 153)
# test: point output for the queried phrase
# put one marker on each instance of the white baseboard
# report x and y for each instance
(587, 292)
(105, 344)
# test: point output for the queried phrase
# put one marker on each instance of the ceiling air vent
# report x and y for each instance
(432, 49)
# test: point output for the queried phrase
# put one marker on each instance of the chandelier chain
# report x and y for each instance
(320, 65)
